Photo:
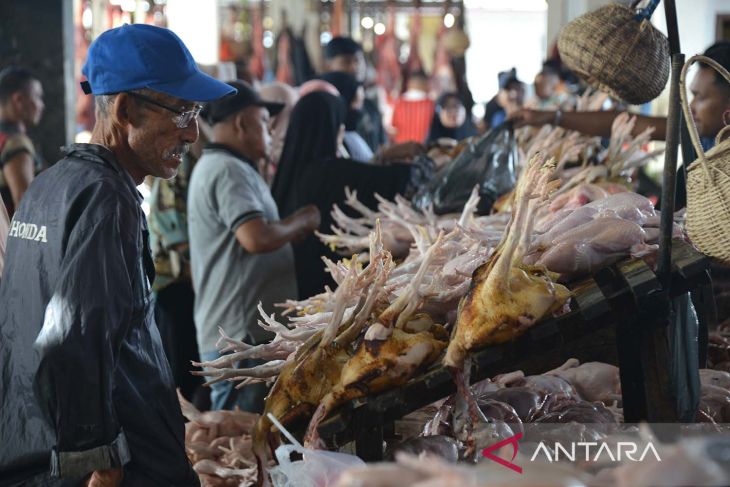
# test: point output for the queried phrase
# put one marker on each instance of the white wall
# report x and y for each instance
(696, 20)
(196, 23)
(503, 35)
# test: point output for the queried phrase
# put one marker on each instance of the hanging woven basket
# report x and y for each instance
(708, 181)
(617, 50)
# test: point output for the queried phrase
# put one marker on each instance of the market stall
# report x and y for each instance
(567, 300)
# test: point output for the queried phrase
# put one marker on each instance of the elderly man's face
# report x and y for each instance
(154, 137)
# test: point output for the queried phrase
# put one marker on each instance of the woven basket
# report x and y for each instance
(708, 182)
(617, 51)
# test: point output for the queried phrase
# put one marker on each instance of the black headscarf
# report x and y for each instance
(310, 174)
(347, 85)
(438, 130)
(311, 138)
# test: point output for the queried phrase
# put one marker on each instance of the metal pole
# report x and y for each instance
(669, 181)
(670, 12)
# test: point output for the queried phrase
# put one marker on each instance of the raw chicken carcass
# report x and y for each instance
(627, 205)
(594, 381)
(717, 378)
(578, 196)
(506, 297)
(444, 447)
(394, 348)
(714, 404)
(312, 372)
(594, 245)
(385, 358)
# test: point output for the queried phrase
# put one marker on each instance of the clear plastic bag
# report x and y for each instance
(489, 163)
(317, 468)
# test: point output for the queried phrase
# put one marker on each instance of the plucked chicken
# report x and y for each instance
(506, 297)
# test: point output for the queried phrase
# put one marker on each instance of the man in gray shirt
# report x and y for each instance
(240, 251)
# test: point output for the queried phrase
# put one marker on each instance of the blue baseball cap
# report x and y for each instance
(144, 56)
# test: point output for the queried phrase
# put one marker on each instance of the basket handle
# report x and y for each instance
(692, 128)
(646, 12)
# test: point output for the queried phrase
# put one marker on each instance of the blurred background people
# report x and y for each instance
(21, 107)
(450, 119)
(311, 173)
(353, 96)
(509, 99)
(278, 92)
(412, 111)
(547, 84)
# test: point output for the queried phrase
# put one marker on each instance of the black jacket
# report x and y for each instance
(84, 382)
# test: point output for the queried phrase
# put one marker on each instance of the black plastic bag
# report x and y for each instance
(684, 351)
(489, 162)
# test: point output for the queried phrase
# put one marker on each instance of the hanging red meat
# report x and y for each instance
(256, 65)
(387, 66)
(413, 63)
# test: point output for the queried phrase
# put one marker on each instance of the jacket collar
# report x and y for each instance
(102, 155)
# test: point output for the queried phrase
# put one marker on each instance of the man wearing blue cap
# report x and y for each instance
(86, 391)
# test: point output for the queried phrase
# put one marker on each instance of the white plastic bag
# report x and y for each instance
(318, 468)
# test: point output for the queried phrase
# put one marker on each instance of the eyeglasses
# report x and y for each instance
(184, 117)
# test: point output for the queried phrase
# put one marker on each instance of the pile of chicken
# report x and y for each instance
(402, 225)
(575, 402)
(219, 445)
(385, 322)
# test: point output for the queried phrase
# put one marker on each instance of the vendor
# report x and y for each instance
(711, 112)
(710, 109)
(87, 394)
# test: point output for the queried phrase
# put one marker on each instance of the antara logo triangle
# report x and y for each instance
(512, 440)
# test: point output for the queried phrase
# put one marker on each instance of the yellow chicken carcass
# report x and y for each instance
(506, 297)
(386, 358)
(315, 368)
(300, 387)
(396, 346)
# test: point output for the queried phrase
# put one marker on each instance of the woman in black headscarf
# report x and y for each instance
(450, 119)
(353, 96)
(310, 173)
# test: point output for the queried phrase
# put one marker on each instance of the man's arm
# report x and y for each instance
(259, 235)
(18, 172)
(590, 123)
(85, 323)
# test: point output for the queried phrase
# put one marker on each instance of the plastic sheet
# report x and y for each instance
(489, 163)
(684, 350)
(318, 468)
